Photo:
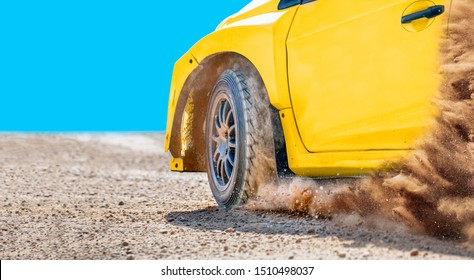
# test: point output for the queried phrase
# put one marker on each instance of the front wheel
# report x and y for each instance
(239, 139)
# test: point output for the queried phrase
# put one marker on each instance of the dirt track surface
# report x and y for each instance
(112, 197)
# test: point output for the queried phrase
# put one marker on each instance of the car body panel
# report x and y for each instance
(332, 164)
(357, 84)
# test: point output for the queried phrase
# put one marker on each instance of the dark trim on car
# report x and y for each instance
(281, 157)
(290, 3)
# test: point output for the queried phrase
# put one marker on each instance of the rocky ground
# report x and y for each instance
(111, 196)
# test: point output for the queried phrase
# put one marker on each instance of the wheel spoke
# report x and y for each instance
(216, 154)
(232, 144)
(221, 113)
(218, 124)
(231, 158)
(228, 168)
(225, 109)
(216, 139)
(228, 118)
(231, 130)
(218, 167)
(222, 172)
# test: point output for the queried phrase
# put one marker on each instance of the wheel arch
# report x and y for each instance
(187, 137)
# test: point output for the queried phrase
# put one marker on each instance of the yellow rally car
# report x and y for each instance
(320, 88)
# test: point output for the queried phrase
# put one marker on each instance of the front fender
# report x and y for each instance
(258, 41)
(181, 71)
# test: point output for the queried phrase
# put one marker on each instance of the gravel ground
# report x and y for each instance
(111, 196)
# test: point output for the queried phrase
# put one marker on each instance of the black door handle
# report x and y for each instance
(431, 12)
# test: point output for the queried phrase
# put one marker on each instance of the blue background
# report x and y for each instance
(83, 65)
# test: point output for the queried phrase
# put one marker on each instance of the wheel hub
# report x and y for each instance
(222, 149)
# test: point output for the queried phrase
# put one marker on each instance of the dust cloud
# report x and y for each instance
(432, 190)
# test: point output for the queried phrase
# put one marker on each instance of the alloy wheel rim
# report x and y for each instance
(224, 141)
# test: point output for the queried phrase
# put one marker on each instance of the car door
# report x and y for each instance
(359, 78)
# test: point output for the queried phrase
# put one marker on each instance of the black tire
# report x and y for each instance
(239, 138)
